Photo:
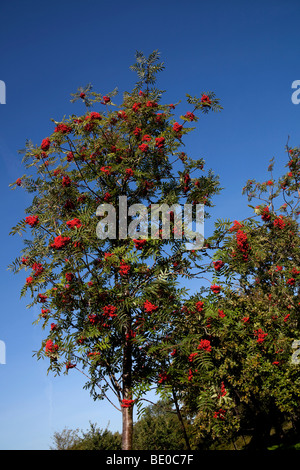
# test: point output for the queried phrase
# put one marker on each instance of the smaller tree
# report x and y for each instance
(92, 439)
(159, 429)
(233, 361)
(67, 439)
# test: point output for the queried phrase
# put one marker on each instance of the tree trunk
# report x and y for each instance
(127, 428)
(127, 413)
(187, 442)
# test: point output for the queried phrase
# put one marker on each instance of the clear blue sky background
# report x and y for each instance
(247, 52)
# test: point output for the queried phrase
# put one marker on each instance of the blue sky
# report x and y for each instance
(246, 52)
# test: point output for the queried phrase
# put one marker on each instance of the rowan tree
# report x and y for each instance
(245, 320)
(107, 299)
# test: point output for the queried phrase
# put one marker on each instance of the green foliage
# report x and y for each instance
(158, 429)
(147, 68)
